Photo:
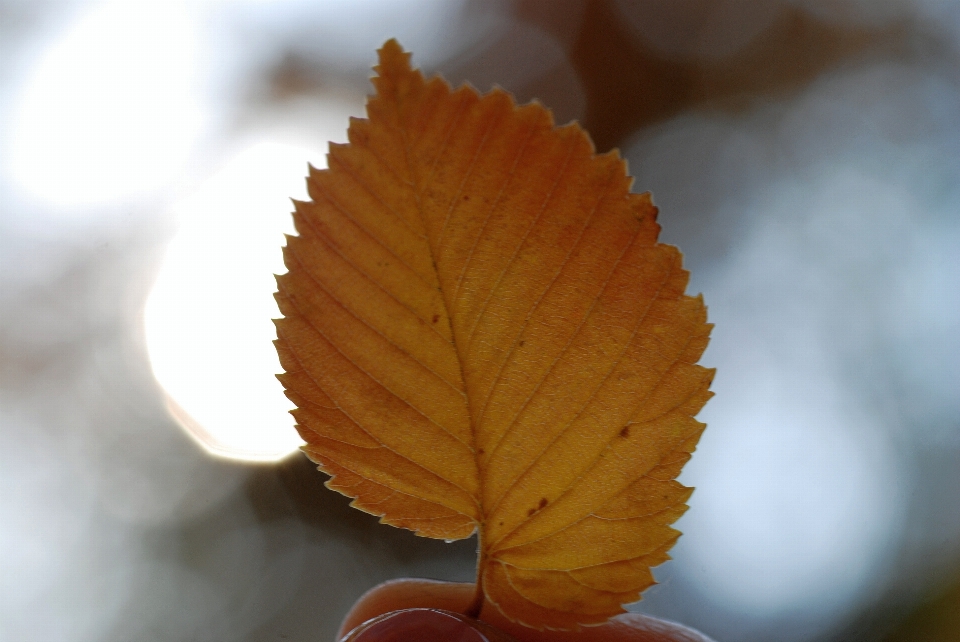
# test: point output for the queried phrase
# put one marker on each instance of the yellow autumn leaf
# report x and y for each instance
(481, 334)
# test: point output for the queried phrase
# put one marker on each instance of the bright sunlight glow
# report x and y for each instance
(208, 319)
(111, 109)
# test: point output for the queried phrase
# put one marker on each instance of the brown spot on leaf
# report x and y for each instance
(625, 432)
(543, 502)
(436, 318)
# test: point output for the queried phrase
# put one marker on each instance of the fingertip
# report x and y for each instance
(424, 625)
(395, 595)
(398, 595)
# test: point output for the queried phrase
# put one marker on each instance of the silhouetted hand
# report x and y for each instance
(429, 611)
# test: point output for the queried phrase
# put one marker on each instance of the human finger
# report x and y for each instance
(402, 594)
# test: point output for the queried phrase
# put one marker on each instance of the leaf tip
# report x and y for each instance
(392, 58)
(390, 47)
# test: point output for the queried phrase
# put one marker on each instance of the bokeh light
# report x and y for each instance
(112, 108)
(208, 317)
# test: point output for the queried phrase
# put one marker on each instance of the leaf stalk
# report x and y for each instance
(476, 605)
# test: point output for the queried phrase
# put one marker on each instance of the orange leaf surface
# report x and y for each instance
(481, 333)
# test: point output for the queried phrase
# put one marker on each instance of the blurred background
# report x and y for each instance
(805, 155)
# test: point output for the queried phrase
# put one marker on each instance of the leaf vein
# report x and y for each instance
(566, 348)
(566, 428)
(369, 375)
(343, 211)
(340, 303)
(350, 417)
(352, 173)
(486, 220)
(586, 471)
(323, 287)
(425, 470)
(546, 290)
(516, 252)
(461, 108)
(466, 176)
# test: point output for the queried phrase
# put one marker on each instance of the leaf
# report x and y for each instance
(481, 333)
